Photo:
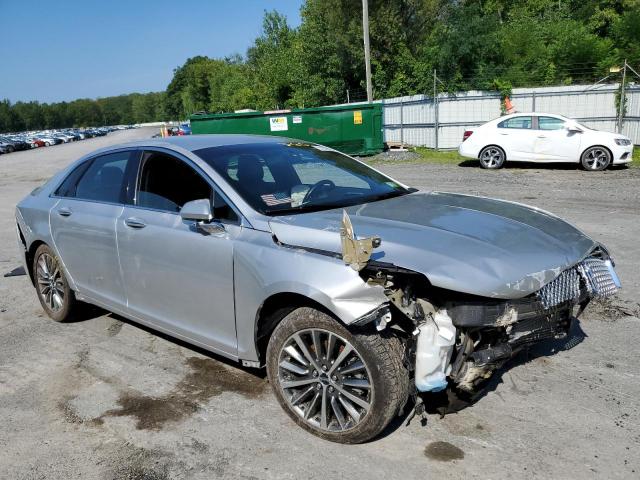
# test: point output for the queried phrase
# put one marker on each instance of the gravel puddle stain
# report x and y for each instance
(443, 452)
(208, 378)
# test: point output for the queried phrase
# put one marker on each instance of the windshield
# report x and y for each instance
(279, 178)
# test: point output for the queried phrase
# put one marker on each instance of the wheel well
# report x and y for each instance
(599, 146)
(493, 145)
(273, 310)
(30, 254)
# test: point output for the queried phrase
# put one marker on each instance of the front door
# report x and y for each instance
(176, 277)
(554, 143)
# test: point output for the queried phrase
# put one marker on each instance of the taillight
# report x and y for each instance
(466, 134)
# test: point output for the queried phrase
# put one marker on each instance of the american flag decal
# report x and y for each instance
(277, 198)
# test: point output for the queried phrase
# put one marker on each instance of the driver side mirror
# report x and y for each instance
(197, 210)
(574, 129)
(200, 212)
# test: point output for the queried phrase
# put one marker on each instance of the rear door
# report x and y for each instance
(554, 143)
(176, 277)
(516, 136)
(83, 226)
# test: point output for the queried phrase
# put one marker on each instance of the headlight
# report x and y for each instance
(623, 141)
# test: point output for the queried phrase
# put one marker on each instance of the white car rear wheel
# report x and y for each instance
(492, 157)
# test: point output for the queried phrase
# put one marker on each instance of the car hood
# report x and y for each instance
(474, 245)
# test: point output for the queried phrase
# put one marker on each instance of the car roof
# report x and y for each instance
(197, 142)
(538, 114)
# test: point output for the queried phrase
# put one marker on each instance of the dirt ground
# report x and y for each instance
(104, 398)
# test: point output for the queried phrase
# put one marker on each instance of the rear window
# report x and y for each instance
(516, 122)
(99, 179)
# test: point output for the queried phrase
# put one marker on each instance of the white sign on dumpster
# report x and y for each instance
(278, 124)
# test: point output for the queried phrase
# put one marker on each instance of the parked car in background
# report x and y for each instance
(544, 138)
(36, 142)
(14, 144)
(246, 246)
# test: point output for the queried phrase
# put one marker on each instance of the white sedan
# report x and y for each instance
(544, 137)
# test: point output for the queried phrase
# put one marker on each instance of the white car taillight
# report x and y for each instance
(466, 134)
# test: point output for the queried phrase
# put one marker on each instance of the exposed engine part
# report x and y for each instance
(436, 339)
(381, 316)
(502, 351)
(472, 375)
(355, 253)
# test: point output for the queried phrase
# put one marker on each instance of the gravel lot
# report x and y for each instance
(103, 398)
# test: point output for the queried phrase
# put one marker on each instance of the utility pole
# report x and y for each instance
(622, 92)
(435, 107)
(367, 53)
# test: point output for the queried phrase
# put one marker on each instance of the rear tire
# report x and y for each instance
(595, 159)
(492, 157)
(361, 391)
(56, 297)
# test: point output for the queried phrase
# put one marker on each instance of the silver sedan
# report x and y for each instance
(360, 295)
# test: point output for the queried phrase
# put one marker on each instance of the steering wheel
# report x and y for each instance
(325, 184)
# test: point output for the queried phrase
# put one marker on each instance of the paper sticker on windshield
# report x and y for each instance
(278, 124)
(278, 198)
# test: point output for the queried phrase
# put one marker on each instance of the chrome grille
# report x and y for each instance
(599, 279)
(599, 276)
(565, 288)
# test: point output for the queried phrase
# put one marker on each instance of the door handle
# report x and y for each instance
(502, 133)
(134, 222)
(64, 212)
(542, 136)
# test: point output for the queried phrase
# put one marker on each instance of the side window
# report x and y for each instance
(167, 183)
(516, 122)
(550, 123)
(102, 180)
(68, 187)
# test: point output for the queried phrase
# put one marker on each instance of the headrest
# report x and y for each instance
(250, 168)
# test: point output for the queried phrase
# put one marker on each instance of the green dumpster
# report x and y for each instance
(352, 129)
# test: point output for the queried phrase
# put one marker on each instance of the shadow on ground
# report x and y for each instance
(538, 166)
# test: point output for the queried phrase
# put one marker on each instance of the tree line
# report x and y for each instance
(467, 44)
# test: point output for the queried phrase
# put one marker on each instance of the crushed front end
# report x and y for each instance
(460, 340)
(491, 332)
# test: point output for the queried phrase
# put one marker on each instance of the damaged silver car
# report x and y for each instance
(356, 292)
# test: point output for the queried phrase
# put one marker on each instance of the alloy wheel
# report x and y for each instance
(491, 157)
(596, 159)
(324, 380)
(50, 282)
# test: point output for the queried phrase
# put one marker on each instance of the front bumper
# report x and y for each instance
(492, 332)
(622, 154)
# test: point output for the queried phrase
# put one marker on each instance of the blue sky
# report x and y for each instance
(54, 51)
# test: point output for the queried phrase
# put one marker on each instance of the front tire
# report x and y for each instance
(492, 157)
(55, 295)
(341, 386)
(595, 159)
